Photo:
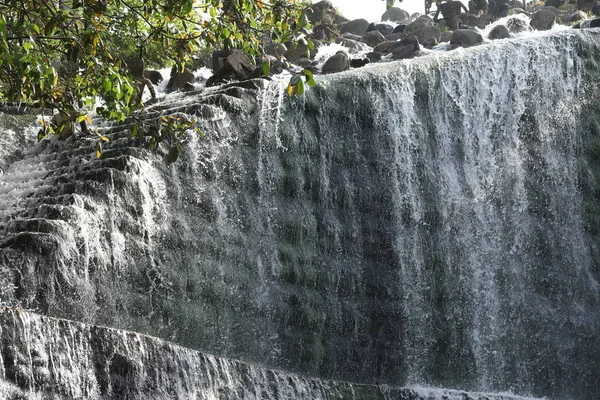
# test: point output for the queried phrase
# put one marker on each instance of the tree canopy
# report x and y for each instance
(75, 56)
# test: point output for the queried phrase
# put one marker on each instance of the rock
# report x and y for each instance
(465, 37)
(446, 36)
(237, 66)
(384, 47)
(396, 36)
(272, 48)
(324, 32)
(499, 32)
(474, 20)
(430, 42)
(296, 51)
(418, 24)
(359, 62)
(542, 20)
(372, 38)
(395, 14)
(427, 32)
(154, 76)
(318, 11)
(405, 48)
(336, 63)
(385, 29)
(351, 36)
(591, 23)
(180, 80)
(577, 16)
(374, 56)
(400, 28)
(554, 3)
(517, 25)
(353, 45)
(356, 27)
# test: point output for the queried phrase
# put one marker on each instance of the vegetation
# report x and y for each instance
(77, 56)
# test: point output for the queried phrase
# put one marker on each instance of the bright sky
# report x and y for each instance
(371, 10)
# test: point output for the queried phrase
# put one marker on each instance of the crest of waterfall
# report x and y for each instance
(430, 222)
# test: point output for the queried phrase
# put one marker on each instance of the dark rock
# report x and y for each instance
(499, 32)
(430, 42)
(351, 36)
(374, 56)
(356, 27)
(353, 45)
(428, 32)
(237, 66)
(384, 47)
(297, 50)
(418, 24)
(318, 11)
(542, 20)
(446, 36)
(474, 20)
(359, 62)
(395, 14)
(405, 48)
(592, 23)
(465, 37)
(400, 28)
(324, 32)
(336, 63)
(180, 80)
(385, 29)
(396, 36)
(517, 25)
(372, 38)
(153, 75)
(577, 16)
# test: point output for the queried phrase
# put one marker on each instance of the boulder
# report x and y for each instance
(517, 25)
(154, 76)
(542, 20)
(353, 45)
(418, 24)
(324, 32)
(400, 28)
(474, 20)
(385, 29)
(237, 66)
(405, 48)
(427, 32)
(180, 80)
(372, 38)
(591, 23)
(359, 62)
(395, 14)
(577, 16)
(351, 36)
(374, 56)
(336, 63)
(318, 11)
(499, 32)
(465, 38)
(396, 36)
(430, 43)
(296, 51)
(384, 47)
(356, 27)
(446, 36)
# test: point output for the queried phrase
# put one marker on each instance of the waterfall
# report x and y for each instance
(424, 223)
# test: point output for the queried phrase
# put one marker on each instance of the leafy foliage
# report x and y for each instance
(76, 55)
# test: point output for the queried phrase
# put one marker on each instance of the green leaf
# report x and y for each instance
(173, 154)
(295, 79)
(266, 68)
(310, 81)
(300, 87)
(35, 28)
(212, 12)
(107, 86)
(134, 131)
(310, 44)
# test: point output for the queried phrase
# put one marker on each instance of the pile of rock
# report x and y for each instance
(400, 36)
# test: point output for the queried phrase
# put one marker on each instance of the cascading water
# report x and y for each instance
(429, 222)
